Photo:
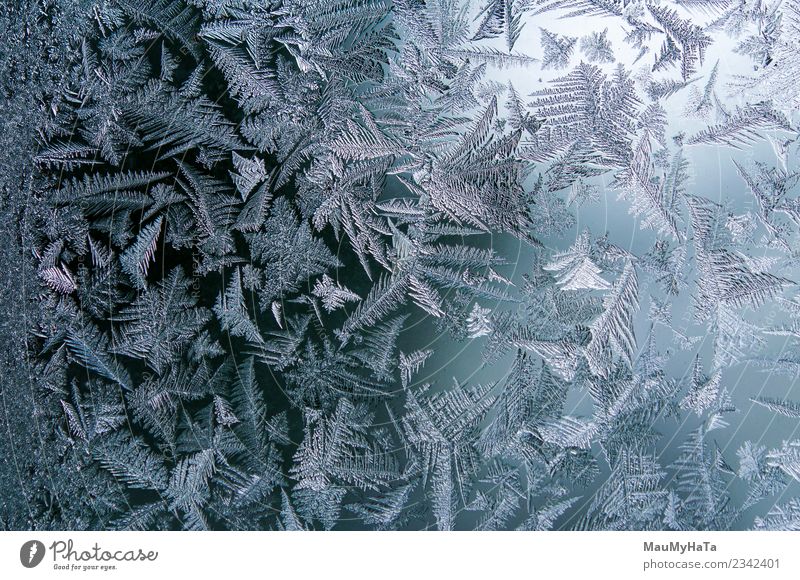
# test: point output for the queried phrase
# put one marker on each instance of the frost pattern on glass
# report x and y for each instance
(267, 231)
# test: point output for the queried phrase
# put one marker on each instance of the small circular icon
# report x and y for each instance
(31, 553)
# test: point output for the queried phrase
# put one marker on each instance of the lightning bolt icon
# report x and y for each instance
(34, 550)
